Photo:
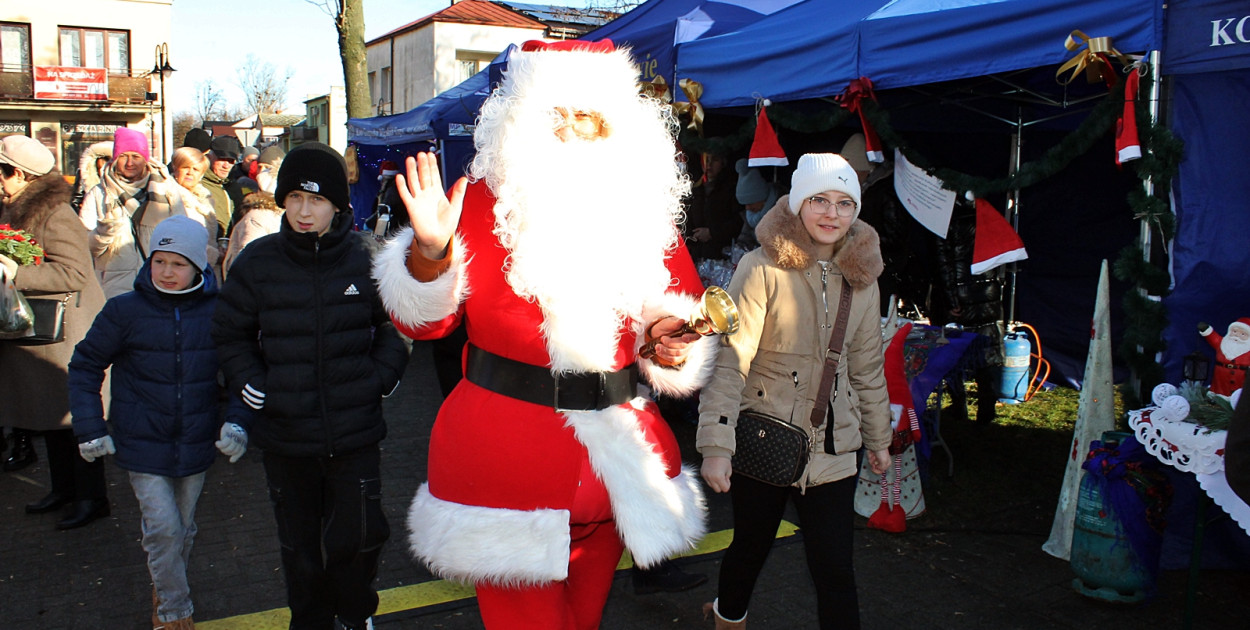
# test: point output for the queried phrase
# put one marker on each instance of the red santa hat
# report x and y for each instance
(1243, 324)
(765, 149)
(387, 169)
(1127, 146)
(996, 242)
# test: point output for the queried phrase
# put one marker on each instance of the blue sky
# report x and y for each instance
(209, 39)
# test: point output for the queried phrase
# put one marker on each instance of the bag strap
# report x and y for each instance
(833, 355)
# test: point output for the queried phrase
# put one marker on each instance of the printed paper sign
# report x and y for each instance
(71, 84)
(923, 196)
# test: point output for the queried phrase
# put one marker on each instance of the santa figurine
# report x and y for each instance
(562, 258)
(1231, 356)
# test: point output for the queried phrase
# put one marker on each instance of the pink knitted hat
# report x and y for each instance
(127, 139)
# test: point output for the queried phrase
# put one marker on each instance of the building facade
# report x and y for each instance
(73, 71)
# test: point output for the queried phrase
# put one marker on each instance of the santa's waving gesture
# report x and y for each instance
(562, 258)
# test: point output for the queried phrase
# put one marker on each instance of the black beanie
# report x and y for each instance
(316, 168)
(197, 138)
(226, 147)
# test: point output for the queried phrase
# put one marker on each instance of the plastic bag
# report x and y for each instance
(16, 320)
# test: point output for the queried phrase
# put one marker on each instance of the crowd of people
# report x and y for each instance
(566, 250)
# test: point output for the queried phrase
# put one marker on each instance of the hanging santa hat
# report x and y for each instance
(1127, 146)
(996, 242)
(853, 100)
(765, 149)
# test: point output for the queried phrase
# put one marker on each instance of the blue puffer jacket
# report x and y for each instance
(163, 416)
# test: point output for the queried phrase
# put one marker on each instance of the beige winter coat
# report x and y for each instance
(773, 363)
(33, 390)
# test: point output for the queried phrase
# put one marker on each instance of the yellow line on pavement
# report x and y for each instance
(412, 597)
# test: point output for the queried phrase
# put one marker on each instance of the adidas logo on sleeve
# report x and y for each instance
(351, 290)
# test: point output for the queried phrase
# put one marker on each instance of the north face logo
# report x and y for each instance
(351, 290)
(168, 240)
(311, 187)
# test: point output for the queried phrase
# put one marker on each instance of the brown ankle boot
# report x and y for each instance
(710, 610)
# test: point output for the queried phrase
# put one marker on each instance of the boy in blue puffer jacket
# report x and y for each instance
(163, 418)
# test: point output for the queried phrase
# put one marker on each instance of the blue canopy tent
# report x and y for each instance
(941, 50)
(808, 50)
(654, 29)
(1207, 57)
(444, 122)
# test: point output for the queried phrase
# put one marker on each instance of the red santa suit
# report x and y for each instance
(1230, 372)
(519, 493)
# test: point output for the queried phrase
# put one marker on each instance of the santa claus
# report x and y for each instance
(1231, 356)
(562, 258)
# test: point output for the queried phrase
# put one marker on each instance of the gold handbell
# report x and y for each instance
(717, 315)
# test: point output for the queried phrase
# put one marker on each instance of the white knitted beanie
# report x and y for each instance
(820, 172)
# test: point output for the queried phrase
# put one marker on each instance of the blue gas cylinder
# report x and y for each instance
(1016, 372)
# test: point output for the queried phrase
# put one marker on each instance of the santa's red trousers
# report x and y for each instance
(577, 602)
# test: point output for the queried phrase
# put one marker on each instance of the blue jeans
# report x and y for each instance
(168, 506)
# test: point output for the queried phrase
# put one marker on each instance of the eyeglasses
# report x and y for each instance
(845, 207)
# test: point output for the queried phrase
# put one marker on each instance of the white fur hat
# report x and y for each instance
(820, 172)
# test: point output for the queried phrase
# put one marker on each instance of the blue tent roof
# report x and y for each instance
(816, 47)
(913, 42)
(805, 51)
(654, 29)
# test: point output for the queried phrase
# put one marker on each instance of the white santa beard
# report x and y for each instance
(588, 224)
(1232, 348)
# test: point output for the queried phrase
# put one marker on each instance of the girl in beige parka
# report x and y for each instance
(787, 293)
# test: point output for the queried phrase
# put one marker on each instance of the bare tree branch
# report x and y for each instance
(209, 101)
(264, 89)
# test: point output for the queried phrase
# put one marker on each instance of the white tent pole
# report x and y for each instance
(1013, 203)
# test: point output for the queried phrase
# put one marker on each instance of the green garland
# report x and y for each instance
(1159, 164)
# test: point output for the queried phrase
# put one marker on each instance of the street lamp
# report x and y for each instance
(162, 69)
(1195, 368)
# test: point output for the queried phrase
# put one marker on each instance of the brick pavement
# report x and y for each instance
(988, 574)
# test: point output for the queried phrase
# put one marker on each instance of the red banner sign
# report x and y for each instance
(71, 84)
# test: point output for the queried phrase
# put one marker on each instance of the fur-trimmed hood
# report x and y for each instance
(786, 242)
(39, 200)
(88, 176)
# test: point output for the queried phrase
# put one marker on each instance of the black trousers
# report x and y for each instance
(71, 475)
(826, 521)
(331, 528)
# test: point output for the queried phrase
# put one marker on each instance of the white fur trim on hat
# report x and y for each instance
(821, 172)
(1239, 324)
(411, 302)
(502, 546)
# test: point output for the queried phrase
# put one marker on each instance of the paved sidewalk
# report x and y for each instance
(977, 571)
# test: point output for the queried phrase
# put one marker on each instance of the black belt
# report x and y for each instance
(1243, 368)
(573, 391)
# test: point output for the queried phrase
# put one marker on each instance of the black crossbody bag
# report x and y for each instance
(774, 451)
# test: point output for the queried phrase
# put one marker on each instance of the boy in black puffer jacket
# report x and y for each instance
(305, 341)
(163, 413)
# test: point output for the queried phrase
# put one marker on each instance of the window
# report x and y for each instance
(314, 116)
(88, 48)
(14, 47)
(384, 89)
(469, 63)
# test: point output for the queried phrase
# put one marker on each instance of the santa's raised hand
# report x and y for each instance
(432, 213)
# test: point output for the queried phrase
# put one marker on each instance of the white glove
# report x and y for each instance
(98, 447)
(253, 397)
(10, 266)
(233, 442)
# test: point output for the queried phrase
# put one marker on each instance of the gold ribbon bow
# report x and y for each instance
(693, 91)
(658, 89)
(1093, 61)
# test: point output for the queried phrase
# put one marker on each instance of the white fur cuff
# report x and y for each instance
(410, 302)
(687, 378)
(469, 543)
